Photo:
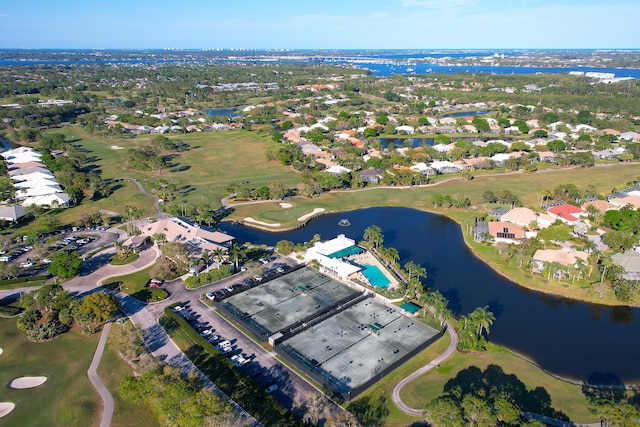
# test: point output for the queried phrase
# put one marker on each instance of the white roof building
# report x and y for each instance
(33, 176)
(321, 252)
(59, 199)
(441, 166)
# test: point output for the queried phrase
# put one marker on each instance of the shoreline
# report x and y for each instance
(475, 253)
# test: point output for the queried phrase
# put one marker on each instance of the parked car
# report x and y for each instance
(26, 264)
(210, 296)
(271, 388)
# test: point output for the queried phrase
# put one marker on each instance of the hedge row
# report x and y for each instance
(23, 279)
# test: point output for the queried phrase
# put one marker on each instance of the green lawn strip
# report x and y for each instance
(115, 260)
(384, 387)
(111, 370)
(67, 398)
(235, 383)
(22, 282)
(565, 397)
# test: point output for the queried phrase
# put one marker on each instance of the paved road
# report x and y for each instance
(397, 400)
(107, 398)
(162, 346)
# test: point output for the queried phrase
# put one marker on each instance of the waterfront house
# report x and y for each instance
(630, 261)
(564, 257)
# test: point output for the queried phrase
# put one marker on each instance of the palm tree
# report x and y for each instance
(374, 236)
(482, 319)
(235, 253)
(546, 193)
(218, 254)
(131, 213)
(391, 255)
(206, 257)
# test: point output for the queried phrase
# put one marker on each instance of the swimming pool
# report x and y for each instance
(375, 276)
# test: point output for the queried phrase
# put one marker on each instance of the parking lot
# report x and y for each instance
(33, 258)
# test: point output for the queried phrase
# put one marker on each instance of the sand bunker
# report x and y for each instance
(266, 224)
(285, 205)
(310, 214)
(117, 147)
(1, 351)
(27, 382)
(6, 407)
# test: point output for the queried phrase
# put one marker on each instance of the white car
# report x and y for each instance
(210, 296)
(26, 264)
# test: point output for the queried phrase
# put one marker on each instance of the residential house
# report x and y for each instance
(601, 205)
(564, 257)
(405, 128)
(51, 200)
(506, 232)
(608, 154)
(547, 156)
(621, 202)
(371, 175)
(630, 136)
(337, 170)
(445, 167)
(567, 213)
(525, 217)
(630, 261)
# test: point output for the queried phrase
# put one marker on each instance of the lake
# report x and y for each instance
(222, 112)
(566, 337)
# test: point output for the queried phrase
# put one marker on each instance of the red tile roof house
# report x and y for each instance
(567, 213)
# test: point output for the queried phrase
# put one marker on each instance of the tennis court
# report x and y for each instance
(358, 345)
(284, 301)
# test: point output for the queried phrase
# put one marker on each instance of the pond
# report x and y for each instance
(566, 337)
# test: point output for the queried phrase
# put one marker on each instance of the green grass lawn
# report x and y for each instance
(216, 160)
(526, 186)
(67, 398)
(565, 397)
(111, 370)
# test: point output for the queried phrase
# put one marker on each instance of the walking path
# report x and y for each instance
(107, 398)
(397, 400)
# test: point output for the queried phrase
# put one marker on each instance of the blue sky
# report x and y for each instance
(339, 24)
